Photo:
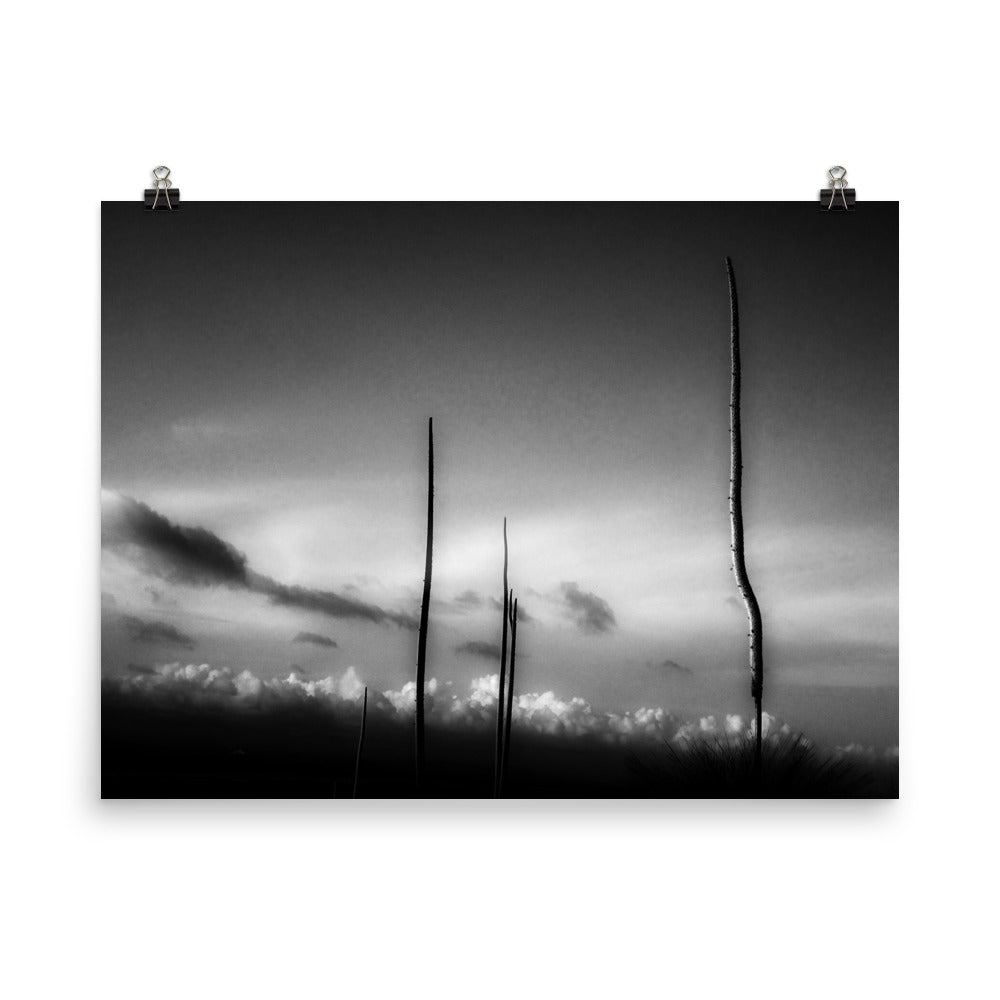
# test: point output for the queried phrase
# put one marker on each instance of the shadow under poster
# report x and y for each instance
(541, 500)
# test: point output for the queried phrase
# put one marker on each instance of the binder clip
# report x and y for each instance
(162, 196)
(840, 198)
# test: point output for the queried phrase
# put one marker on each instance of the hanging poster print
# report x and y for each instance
(513, 500)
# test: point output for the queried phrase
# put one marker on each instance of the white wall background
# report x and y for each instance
(514, 100)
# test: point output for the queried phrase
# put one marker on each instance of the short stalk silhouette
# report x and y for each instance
(425, 608)
(498, 756)
(736, 520)
(361, 743)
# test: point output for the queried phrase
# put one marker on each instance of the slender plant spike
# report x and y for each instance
(425, 611)
(510, 687)
(736, 517)
(498, 756)
(361, 742)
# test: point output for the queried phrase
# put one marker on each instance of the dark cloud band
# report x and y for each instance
(315, 639)
(477, 647)
(199, 558)
(155, 633)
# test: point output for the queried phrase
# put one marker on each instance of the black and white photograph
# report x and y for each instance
(499, 500)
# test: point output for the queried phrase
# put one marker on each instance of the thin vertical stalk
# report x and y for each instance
(498, 757)
(361, 743)
(510, 688)
(425, 608)
(755, 635)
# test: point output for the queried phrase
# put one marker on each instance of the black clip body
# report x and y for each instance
(839, 198)
(164, 197)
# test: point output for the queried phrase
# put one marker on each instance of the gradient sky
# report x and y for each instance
(268, 372)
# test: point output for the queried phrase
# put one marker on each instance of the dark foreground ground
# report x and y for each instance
(151, 749)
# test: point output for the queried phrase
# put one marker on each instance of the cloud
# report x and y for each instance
(479, 647)
(523, 618)
(469, 599)
(199, 558)
(170, 551)
(673, 667)
(858, 751)
(155, 633)
(347, 687)
(733, 727)
(545, 712)
(592, 614)
(192, 681)
(201, 683)
(315, 639)
(404, 701)
(329, 603)
(538, 712)
(550, 714)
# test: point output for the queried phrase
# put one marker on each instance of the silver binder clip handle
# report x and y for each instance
(838, 182)
(161, 182)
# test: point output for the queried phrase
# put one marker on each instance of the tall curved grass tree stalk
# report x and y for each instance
(512, 605)
(425, 608)
(498, 756)
(361, 743)
(736, 517)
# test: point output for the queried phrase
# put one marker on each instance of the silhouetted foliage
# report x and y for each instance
(728, 768)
